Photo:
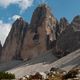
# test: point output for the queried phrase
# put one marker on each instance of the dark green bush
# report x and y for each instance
(6, 75)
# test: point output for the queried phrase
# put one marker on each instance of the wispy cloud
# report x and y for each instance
(4, 30)
(23, 4)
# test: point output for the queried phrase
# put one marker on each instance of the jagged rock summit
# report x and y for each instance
(69, 40)
(40, 43)
(40, 32)
(13, 44)
(63, 24)
(27, 41)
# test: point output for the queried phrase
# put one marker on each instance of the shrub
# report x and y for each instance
(6, 75)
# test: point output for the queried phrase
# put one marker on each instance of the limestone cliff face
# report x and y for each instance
(13, 44)
(27, 41)
(76, 23)
(61, 27)
(69, 40)
(41, 32)
(63, 24)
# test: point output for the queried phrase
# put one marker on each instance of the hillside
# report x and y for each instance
(37, 65)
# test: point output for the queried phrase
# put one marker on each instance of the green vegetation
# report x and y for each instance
(6, 75)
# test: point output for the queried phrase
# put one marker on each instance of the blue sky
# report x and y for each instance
(12, 9)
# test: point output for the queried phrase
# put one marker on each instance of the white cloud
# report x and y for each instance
(23, 4)
(6, 3)
(4, 30)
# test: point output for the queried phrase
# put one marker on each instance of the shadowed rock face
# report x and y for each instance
(63, 24)
(25, 42)
(14, 42)
(42, 25)
(69, 39)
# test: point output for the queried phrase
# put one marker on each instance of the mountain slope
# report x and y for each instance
(66, 63)
(26, 41)
(69, 61)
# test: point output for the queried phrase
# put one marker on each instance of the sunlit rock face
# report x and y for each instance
(27, 41)
(13, 44)
(42, 32)
(63, 24)
(76, 23)
(69, 39)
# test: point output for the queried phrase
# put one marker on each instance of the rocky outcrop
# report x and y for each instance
(63, 24)
(44, 32)
(41, 33)
(25, 42)
(76, 23)
(14, 42)
(70, 40)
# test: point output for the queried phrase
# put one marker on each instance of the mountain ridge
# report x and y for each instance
(26, 41)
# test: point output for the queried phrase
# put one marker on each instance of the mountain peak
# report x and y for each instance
(76, 19)
(19, 20)
(43, 5)
(44, 33)
(64, 19)
(41, 15)
(76, 23)
(63, 24)
(14, 41)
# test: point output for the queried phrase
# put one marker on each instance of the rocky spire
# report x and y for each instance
(63, 24)
(14, 42)
(25, 42)
(76, 23)
(42, 19)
